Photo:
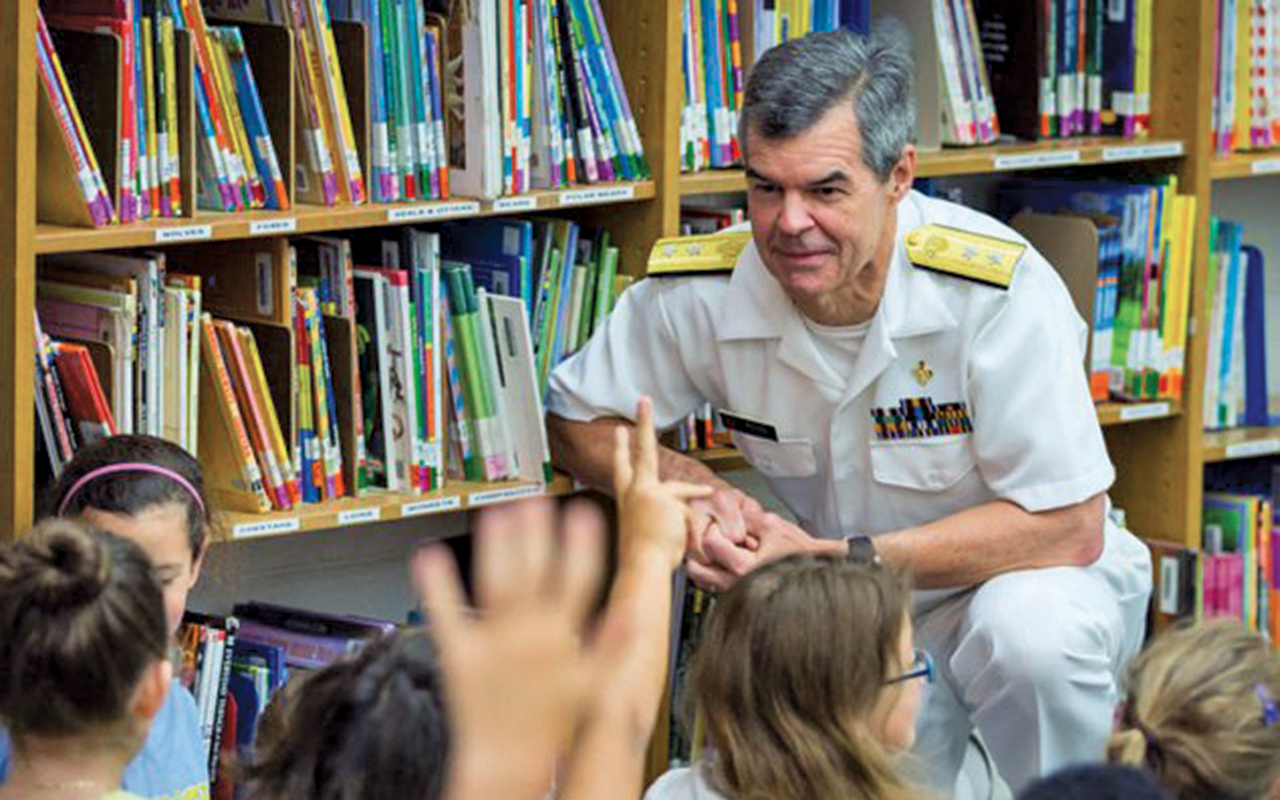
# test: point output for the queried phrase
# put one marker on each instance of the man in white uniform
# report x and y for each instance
(908, 376)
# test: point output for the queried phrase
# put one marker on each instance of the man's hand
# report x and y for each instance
(772, 538)
(723, 512)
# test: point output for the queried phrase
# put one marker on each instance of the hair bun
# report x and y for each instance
(69, 567)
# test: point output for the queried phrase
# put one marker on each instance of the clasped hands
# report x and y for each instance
(729, 534)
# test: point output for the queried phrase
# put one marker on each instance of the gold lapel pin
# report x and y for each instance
(923, 374)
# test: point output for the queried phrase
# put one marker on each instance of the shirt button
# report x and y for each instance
(766, 463)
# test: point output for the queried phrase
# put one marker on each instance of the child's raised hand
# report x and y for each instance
(652, 513)
(516, 674)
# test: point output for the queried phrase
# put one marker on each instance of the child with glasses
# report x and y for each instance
(1203, 713)
(809, 684)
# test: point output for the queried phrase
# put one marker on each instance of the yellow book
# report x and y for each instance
(353, 178)
(258, 379)
(314, 66)
(151, 172)
(168, 52)
(230, 104)
(1142, 67)
(1183, 254)
(235, 121)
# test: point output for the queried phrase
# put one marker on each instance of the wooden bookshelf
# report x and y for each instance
(1160, 463)
(1246, 165)
(378, 506)
(220, 226)
(375, 507)
(984, 160)
(1110, 414)
(1241, 443)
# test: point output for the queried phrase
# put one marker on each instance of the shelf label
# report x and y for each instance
(247, 530)
(1144, 411)
(433, 506)
(603, 194)
(461, 208)
(1261, 447)
(506, 495)
(1139, 152)
(511, 205)
(185, 233)
(1049, 158)
(355, 516)
(1265, 166)
(270, 227)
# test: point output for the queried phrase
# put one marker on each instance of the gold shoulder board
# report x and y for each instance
(972, 256)
(707, 254)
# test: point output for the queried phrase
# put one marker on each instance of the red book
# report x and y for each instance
(86, 403)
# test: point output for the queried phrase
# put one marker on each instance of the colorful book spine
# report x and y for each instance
(255, 120)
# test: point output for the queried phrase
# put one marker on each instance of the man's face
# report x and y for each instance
(823, 222)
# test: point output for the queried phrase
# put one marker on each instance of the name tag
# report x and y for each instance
(748, 426)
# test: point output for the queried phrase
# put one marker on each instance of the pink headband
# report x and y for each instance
(112, 469)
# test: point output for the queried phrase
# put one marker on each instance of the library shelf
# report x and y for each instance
(1253, 164)
(983, 160)
(1237, 443)
(215, 226)
(381, 506)
(1123, 413)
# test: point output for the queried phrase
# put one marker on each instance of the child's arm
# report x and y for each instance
(519, 680)
(515, 676)
(608, 761)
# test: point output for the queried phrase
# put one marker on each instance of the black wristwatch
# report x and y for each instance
(862, 550)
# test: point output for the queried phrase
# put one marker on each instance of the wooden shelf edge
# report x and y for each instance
(217, 226)
(378, 506)
(383, 507)
(1125, 413)
(984, 160)
(1245, 165)
(1237, 443)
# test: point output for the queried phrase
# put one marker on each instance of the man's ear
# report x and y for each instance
(904, 173)
(152, 690)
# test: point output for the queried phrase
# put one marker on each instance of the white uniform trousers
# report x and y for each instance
(1034, 660)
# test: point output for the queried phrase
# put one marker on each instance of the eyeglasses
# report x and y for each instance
(921, 667)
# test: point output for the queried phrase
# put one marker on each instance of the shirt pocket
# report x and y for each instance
(924, 465)
(788, 458)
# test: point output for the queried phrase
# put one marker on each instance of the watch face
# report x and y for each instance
(861, 550)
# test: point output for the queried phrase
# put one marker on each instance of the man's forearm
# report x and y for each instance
(979, 543)
(585, 450)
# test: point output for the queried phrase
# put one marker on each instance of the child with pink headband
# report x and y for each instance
(151, 492)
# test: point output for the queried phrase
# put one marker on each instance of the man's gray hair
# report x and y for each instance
(794, 84)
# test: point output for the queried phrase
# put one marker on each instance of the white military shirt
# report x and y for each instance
(1013, 357)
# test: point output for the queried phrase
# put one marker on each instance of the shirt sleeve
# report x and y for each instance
(636, 353)
(1035, 429)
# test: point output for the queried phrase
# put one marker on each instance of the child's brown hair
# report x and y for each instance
(81, 619)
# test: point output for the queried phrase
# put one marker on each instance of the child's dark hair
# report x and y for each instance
(369, 727)
(1096, 782)
(81, 618)
(162, 473)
